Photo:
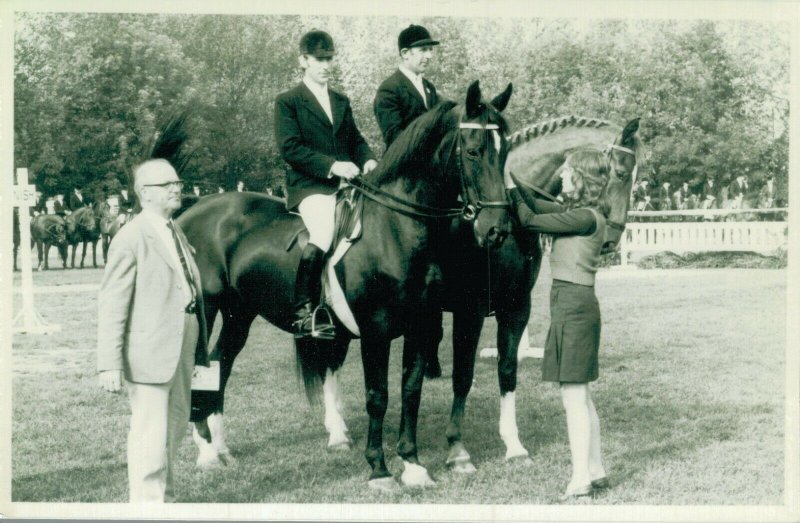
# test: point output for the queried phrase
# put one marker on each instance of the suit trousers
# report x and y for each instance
(159, 419)
(318, 212)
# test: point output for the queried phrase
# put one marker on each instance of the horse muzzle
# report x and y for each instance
(496, 233)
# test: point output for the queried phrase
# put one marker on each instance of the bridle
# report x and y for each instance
(470, 197)
(614, 147)
(473, 203)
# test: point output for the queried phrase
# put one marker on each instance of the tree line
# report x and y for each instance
(91, 89)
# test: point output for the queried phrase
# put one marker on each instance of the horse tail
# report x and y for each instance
(311, 358)
(169, 141)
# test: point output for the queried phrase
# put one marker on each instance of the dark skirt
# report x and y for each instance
(573, 342)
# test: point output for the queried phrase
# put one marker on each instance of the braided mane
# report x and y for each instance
(549, 127)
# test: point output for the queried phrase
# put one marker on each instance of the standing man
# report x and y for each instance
(400, 99)
(151, 330)
(736, 191)
(317, 136)
(766, 196)
(125, 201)
(664, 197)
(77, 199)
(710, 188)
(406, 94)
(641, 195)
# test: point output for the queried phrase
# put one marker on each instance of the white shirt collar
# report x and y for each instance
(414, 77)
(154, 218)
(321, 94)
(315, 88)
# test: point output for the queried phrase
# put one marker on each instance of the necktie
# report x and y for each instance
(179, 246)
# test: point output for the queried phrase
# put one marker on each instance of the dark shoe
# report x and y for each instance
(585, 491)
(433, 369)
(601, 484)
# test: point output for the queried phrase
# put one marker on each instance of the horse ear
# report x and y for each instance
(628, 132)
(474, 99)
(501, 101)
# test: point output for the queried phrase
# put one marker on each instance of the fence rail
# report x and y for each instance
(755, 236)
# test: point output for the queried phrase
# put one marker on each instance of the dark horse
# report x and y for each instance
(247, 248)
(48, 230)
(477, 282)
(109, 225)
(83, 226)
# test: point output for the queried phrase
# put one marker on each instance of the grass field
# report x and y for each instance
(690, 396)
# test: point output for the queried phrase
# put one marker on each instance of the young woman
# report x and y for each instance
(570, 357)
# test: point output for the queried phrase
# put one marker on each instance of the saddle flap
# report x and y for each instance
(349, 205)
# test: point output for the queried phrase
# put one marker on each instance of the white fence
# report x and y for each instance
(681, 236)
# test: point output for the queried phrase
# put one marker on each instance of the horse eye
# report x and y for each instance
(472, 153)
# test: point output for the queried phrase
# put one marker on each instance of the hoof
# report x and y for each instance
(342, 446)
(462, 467)
(520, 461)
(416, 476)
(205, 463)
(433, 370)
(384, 485)
(341, 443)
(459, 460)
(226, 458)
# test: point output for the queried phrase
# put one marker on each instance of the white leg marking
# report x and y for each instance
(508, 427)
(207, 456)
(217, 428)
(334, 423)
(416, 475)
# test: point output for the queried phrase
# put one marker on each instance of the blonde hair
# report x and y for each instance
(590, 170)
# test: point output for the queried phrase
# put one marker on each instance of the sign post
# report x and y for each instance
(27, 320)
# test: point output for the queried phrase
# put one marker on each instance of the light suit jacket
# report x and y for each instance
(141, 307)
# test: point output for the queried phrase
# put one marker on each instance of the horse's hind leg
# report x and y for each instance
(208, 406)
(338, 434)
(467, 325)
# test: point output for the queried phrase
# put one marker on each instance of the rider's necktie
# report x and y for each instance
(186, 272)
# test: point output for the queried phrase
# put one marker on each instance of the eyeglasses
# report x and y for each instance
(166, 185)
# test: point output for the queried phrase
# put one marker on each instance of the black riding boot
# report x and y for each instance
(307, 289)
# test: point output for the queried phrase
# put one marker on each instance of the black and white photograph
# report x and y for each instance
(419, 261)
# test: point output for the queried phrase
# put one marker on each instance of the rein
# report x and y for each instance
(469, 211)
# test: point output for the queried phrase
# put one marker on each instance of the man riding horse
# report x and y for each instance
(318, 138)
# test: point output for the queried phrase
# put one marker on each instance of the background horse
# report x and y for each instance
(83, 227)
(248, 247)
(478, 282)
(48, 230)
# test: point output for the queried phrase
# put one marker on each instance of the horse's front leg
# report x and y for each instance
(46, 256)
(467, 325)
(375, 361)
(94, 254)
(74, 249)
(414, 474)
(510, 326)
